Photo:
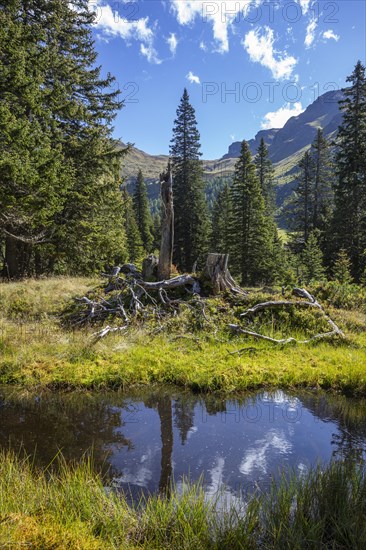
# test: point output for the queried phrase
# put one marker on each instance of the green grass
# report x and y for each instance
(37, 351)
(71, 509)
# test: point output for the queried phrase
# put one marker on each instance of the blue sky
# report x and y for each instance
(247, 64)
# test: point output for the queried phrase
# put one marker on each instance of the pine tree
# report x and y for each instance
(191, 228)
(302, 213)
(142, 212)
(349, 221)
(54, 92)
(134, 241)
(250, 231)
(312, 258)
(265, 174)
(323, 179)
(221, 221)
(33, 172)
(342, 268)
(156, 230)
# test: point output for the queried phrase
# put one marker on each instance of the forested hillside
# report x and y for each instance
(65, 205)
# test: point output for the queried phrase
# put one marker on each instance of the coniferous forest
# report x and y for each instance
(64, 207)
(144, 318)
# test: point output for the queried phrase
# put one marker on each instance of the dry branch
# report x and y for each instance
(310, 303)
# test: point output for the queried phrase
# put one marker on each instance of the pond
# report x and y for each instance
(143, 440)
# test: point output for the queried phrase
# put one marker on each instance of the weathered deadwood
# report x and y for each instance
(108, 330)
(277, 305)
(311, 303)
(175, 282)
(217, 272)
(167, 225)
(150, 268)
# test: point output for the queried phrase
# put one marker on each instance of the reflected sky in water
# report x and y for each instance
(145, 440)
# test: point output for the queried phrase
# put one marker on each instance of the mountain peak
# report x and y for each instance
(299, 131)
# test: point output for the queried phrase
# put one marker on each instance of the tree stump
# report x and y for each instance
(167, 225)
(217, 272)
(150, 268)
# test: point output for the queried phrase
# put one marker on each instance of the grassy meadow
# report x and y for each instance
(186, 350)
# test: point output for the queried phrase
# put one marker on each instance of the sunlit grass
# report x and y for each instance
(73, 509)
(36, 351)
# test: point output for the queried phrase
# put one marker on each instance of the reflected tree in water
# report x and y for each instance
(184, 416)
(75, 425)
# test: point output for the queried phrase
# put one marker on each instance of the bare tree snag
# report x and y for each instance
(217, 272)
(167, 225)
(310, 303)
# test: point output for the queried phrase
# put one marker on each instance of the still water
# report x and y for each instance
(142, 441)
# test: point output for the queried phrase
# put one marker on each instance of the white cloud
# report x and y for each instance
(150, 53)
(221, 15)
(330, 34)
(113, 26)
(172, 42)
(193, 79)
(277, 119)
(310, 32)
(260, 49)
(304, 6)
(203, 46)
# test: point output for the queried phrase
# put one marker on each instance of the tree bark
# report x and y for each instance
(149, 268)
(11, 267)
(167, 225)
(217, 272)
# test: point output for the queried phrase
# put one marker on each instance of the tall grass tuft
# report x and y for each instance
(325, 508)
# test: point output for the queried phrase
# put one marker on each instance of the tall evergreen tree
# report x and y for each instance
(300, 208)
(221, 221)
(52, 86)
(342, 268)
(142, 212)
(323, 179)
(349, 222)
(133, 237)
(265, 174)
(191, 228)
(250, 230)
(312, 259)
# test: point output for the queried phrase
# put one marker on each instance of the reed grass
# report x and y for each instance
(325, 508)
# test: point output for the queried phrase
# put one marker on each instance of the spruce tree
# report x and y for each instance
(302, 214)
(342, 268)
(349, 221)
(250, 231)
(265, 174)
(52, 89)
(191, 226)
(221, 221)
(323, 179)
(133, 237)
(142, 212)
(312, 259)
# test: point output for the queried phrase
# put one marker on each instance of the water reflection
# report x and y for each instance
(145, 440)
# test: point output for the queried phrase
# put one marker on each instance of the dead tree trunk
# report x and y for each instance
(217, 272)
(167, 225)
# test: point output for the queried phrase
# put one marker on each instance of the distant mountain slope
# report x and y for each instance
(299, 131)
(286, 146)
